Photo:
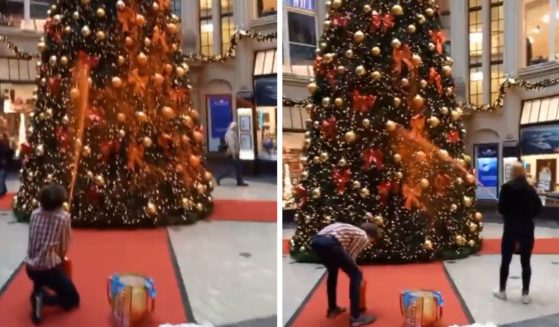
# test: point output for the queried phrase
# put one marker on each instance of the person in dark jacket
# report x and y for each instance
(6, 154)
(519, 204)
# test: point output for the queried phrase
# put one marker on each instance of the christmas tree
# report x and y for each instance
(113, 120)
(385, 137)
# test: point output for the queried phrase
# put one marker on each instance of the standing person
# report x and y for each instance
(49, 237)
(6, 154)
(233, 149)
(337, 246)
(519, 204)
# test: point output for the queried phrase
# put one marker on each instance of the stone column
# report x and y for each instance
(459, 38)
(515, 40)
(486, 54)
(552, 30)
(216, 21)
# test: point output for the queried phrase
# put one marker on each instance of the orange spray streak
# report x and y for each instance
(81, 80)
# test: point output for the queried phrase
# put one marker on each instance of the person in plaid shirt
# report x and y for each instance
(338, 246)
(49, 237)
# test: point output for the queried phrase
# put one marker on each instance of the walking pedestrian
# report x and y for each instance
(519, 204)
(338, 246)
(232, 152)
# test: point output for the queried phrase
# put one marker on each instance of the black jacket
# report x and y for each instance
(6, 154)
(519, 202)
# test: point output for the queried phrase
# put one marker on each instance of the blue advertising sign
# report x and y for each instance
(487, 170)
(540, 140)
(220, 114)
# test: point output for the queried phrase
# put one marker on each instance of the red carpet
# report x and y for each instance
(542, 246)
(285, 247)
(384, 284)
(6, 201)
(263, 211)
(97, 255)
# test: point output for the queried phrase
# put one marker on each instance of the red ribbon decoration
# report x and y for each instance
(328, 128)
(91, 61)
(453, 136)
(412, 195)
(417, 126)
(363, 103)
(402, 55)
(300, 194)
(178, 95)
(341, 21)
(54, 85)
(372, 157)
(53, 31)
(441, 183)
(95, 115)
(341, 178)
(438, 38)
(377, 22)
(435, 78)
(331, 77)
(387, 188)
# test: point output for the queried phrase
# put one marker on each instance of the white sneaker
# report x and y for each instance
(500, 295)
(526, 299)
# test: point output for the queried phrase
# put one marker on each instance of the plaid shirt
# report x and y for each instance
(353, 239)
(49, 236)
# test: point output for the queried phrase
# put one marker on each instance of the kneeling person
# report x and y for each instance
(49, 236)
(337, 246)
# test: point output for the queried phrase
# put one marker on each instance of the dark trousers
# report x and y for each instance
(523, 235)
(334, 257)
(235, 166)
(3, 176)
(66, 295)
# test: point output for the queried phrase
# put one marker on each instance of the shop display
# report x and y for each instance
(113, 120)
(385, 140)
(132, 298)
(421, 308)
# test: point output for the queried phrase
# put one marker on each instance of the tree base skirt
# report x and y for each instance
(443, 254)
(23, 217)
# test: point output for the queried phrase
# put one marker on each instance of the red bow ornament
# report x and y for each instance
(331, 77)
(412, 196)
(417, 126)
(435, 78)
(178, 95)
(402, 55)
(438, 39)
(441, 183)
(328, 128)
(453, 136)
(54, 85)
(300, 194)
(53, 31)
(378, 22)
(341, 178)
(387, 188)
(372, 157)
(91, 61)
(340, 21)
(95, 115)
(363, 103)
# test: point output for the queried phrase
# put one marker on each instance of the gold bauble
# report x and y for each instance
(396, 44)
(172, 28)
(423, 83)
(350, 137)
(378, 220)
(121, 60)
(444, 110)
(416, 59)
(53, 60)
(140, 20)
(316, 160)
(65, 120)
(159, 79)
(341, 69)
(459, 181)
(431, 46)
(141, 116)
(121, 117)
(397, 157)
(460, 240)
(99, 180)
(429, 11)
(121, 133)
(478, 216)
(397, 10)
(471, 243)
(86, 31)
(64, 60)
(337, 4)
(329, 57)
(443, 154)
(185, 203)
(151, 208)
(453, 207)
(411, 28)
(326, 25)
(342, 162)
(100, 35)
(326, 102)
(116, 82)
(147, 142)
(180, 72)
(40, 150)
(364, 192)
(366, 8)
(467, 158)
(120, 4)
(129, 41)
(456, 114)
(420, 156)
(356, 185)
(399, 175)
(312, 87)
(375, 51)
(41, 46)
(397, 102)
(467, 201)
(142, 59)
(433, 121)
(405, 82)
(100, 12)
(391, 126)
(349, 54)
(360, 70)
(376, 75)
(428, 245)
(76, 15)
(418, 101)
(168, 112)
(359, 36)
(74, 93)
(86, 151)
(421, 19)
(366, 123)
(470, 179)
(66, 206)
(447, 70)
(324, 157)
(424, 183)
(316, 193)
(85, 2)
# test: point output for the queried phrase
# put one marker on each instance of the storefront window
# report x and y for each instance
(267, 133)
(227, 24)
(206, 28)
(11, 13)
(267, 8)
(265, 97)
(301, 37)
(539, 21)
(475, 28)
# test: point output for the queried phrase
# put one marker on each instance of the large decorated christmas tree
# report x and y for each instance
(113, 120)
(385, 138)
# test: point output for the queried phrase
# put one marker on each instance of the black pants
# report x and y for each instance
(334, 257)
(523, 235)
(66, 295)
(235, 166)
